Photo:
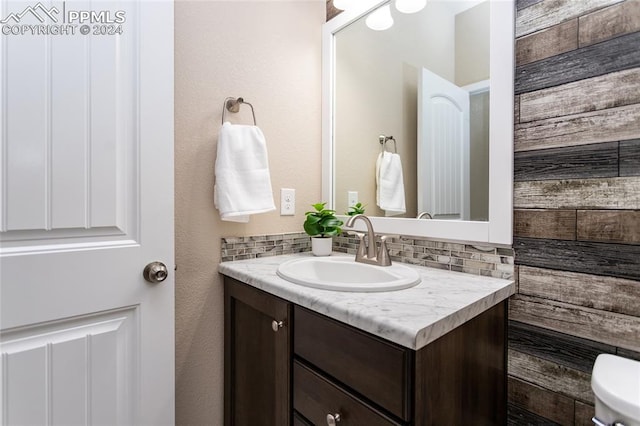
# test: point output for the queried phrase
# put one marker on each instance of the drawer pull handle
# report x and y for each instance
(599, 422)
(276, 325)
(332, 419)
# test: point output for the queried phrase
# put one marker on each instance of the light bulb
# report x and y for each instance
(340, 4)
(380, 19)
(410, 6)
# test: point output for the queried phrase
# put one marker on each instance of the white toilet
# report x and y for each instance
(616, 384)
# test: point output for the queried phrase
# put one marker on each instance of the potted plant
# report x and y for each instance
(322, 224)
(357, 208)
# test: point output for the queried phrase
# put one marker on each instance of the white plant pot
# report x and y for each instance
(321, 246)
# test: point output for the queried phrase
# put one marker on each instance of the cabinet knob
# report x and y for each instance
(276, 325)
(332, 419)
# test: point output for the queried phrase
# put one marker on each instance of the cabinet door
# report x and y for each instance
(257, 357)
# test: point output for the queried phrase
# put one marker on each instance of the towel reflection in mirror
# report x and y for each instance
(389, 180)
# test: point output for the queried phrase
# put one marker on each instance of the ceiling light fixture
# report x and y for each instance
(340, 4)
(380, 19)
(410, 6)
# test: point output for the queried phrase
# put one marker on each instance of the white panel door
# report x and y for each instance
(443, 148)
(86, 201)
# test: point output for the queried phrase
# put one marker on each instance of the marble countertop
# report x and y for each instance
(412, 317)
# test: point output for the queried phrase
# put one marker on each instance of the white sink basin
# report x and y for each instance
(344, 274)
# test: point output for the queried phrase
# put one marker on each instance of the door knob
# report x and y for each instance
(155, 272)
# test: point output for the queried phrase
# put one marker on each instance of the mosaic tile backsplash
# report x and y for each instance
(468, 258)
(239, 248)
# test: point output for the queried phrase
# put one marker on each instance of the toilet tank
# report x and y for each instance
(615, 382)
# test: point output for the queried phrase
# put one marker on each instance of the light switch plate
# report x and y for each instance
(287, 202)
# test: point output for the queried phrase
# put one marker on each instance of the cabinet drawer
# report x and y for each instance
(376, 369)
(298, 420)
(314, 397)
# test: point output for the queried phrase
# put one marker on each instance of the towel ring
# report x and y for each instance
(383, 142)
(233, 105)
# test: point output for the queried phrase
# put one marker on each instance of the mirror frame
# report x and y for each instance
(499, 228)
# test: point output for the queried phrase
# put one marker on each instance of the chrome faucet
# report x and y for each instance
(369, 252)
(425, 214)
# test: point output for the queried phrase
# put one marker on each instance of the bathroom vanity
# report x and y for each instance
(431, 354)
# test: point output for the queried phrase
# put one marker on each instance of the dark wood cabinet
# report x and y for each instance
(371, 366)
(257, 348)
(316, 396)
(314, 366)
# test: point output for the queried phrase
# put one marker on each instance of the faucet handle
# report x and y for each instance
(361, 252)
(383, 251)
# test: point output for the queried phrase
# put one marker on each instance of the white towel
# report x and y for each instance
(390, 184)
(243, 183)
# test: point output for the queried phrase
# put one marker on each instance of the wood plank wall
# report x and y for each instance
(576, 203)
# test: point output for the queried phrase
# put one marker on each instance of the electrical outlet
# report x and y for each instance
(352, 198)
(287, 202)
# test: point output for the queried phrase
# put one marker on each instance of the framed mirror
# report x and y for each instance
(440, 83)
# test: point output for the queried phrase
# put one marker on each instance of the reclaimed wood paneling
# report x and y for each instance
(611, 294)
(517, 416)
(615, 260)
(584, 414)
(521, 4)
(616, 226)
(591, 94)
(628, 354)
(573, 162)
(576, 147)
(554, 224)
(558, 378)
(548, 42)
(548, 13)
(613, 21)
(613, 55)
(516, 109)
(601, 326)
(540, 401)
(611, 193)
(609, 125)
(563, 349)
(630, 158)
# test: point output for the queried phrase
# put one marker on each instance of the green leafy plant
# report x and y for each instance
(357, 208)
(322, 222)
